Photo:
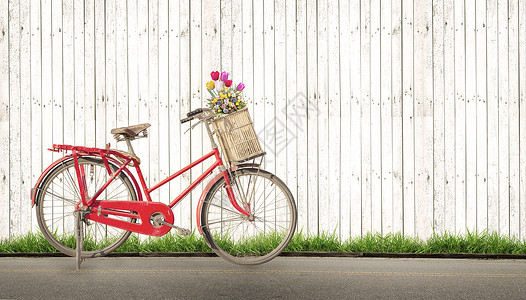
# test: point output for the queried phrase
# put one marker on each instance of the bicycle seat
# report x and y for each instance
(131, 132)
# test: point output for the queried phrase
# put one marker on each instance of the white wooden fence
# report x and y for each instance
(391, 116)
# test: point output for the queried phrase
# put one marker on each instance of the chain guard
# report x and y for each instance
(132, 215)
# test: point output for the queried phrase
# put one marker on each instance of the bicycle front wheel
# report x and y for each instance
(58, 195)
(253, 239)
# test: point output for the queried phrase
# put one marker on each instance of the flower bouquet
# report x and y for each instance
(226, 98)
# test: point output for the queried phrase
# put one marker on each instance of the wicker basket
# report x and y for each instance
(237, 136)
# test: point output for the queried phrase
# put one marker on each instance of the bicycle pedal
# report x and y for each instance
(184, 231)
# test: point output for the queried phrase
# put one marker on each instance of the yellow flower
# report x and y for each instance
(210, 85)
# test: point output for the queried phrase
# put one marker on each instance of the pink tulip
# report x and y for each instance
(219, 86)
(224, 76)
(240, 87)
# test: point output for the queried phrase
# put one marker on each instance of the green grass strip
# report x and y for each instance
(487, 243)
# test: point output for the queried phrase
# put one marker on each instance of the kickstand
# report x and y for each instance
(79, 236)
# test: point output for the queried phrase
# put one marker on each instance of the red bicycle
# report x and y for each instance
(245, 214)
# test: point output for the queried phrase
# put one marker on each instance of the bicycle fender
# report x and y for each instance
(209, 186)
(35, 190)
(44, 174)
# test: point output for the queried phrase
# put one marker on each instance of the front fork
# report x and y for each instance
(230, 192)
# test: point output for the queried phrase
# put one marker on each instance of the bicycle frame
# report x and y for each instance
(105, 153)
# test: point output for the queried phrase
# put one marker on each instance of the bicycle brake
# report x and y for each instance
(182, 231)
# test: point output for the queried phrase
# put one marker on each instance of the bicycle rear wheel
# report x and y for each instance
(253, 239)
(58, 195)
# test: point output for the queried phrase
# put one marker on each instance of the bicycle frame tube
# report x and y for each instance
(218, 163)
(82, 178)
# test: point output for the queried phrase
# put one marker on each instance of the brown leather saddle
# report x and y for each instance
(131, 132)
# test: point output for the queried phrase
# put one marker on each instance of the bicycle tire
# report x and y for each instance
(266, 234)
(54, 200)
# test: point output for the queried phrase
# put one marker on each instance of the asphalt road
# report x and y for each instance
(284, 277)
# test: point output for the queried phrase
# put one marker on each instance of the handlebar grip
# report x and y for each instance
(186, 120)
(194, 112)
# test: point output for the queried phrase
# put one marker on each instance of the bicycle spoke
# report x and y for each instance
(225, 220)
(73, 183)
(64, 199)
(222, 208)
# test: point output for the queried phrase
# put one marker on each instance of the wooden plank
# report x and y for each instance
(212, 55)
(121, 71)
(397, 116)
(101, 96)
(78, 68)
(449, 116)
(259, 79)
(335, 138)
(345, 119)
(89, 73)
(460, 118)
(25, 117)
(184, 28)
(513, 116)
(226, 40)
(356, 131)
(269, 86)
(522, 116)
(164, 139)
(57, 76)
(438, 117)
(174, 102)
(423, 119)
(408, 118)
(302, 115)
(482, 137)
(247, 77)
(504, 180)
(211, 61)
(386, 120)
(143, 106)
(237, 41)
(280, 98)
(324, 203)
(258, 75)
(133, 63)
(36, 100)
(493, 117)
(291, 109)
(110, 68)
(375, 118)
(471, 118)
(47, 81)
(312, 121)
(14, 120)
(153, 93)
(196, 86)
(4, 115)
(365, 106)
(68, 80)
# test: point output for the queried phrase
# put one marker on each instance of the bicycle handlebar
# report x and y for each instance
(195, 112)
(186, 120)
